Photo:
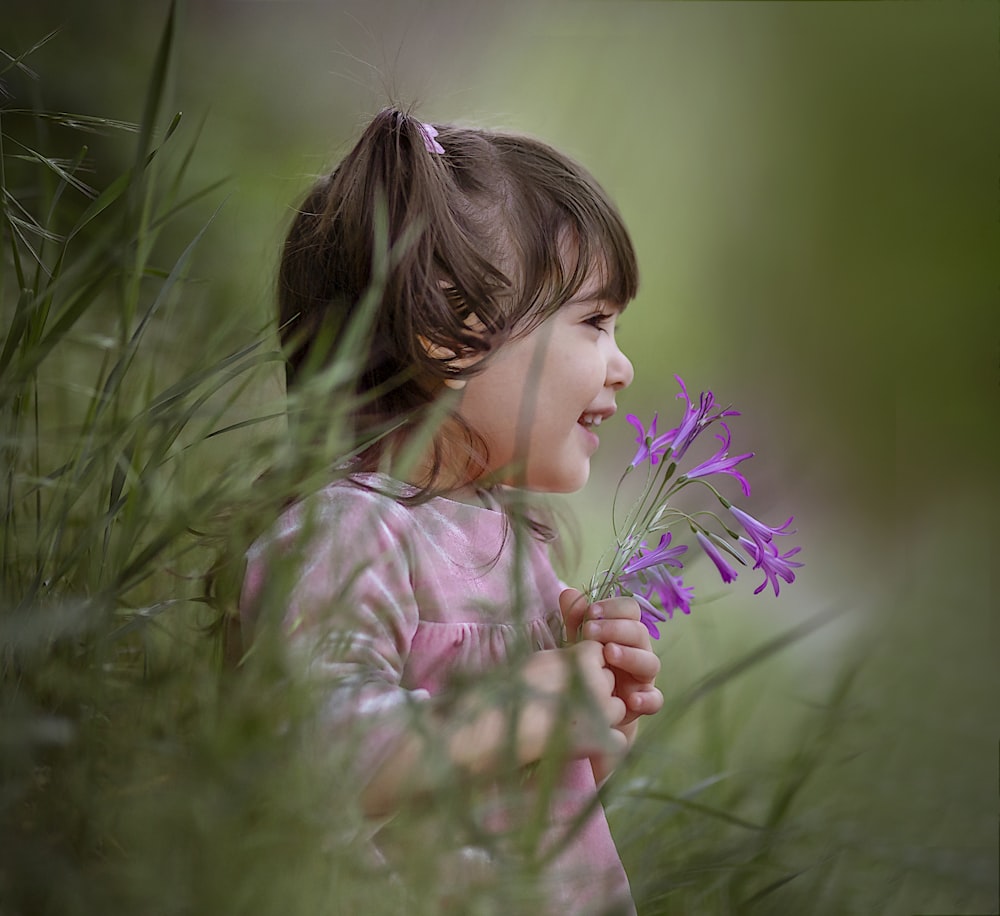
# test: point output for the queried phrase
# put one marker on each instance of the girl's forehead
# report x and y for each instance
(604, 273)
(596, 288)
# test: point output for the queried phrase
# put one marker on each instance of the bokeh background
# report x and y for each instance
(813, 192)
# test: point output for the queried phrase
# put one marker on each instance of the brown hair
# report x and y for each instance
(500, 227)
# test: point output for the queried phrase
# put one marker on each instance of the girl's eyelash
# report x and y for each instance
(603, 321)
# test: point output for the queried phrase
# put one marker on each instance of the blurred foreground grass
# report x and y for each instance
(139, 776)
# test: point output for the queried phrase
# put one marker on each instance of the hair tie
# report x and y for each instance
(429, 132)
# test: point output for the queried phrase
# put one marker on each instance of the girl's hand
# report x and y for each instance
(587, 722)
(628, 651)
(568, 704)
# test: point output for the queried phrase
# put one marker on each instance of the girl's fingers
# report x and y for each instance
(601, 680)
(624, 632)
(573, 606)
(577, 611)
(613, 628)
(640, 664)
(645, 702)
(615, 608)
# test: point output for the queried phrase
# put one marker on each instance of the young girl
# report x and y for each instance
(423, 599)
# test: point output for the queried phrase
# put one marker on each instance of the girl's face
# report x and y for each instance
(539, 400)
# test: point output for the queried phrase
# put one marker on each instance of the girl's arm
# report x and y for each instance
(349, 612)
(567, 700)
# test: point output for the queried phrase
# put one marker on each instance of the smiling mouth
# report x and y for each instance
(591, 420)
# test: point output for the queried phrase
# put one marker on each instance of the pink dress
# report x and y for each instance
(423, 595)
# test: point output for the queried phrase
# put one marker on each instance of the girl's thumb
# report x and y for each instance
(573, 606)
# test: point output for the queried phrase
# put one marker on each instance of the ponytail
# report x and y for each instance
(437, 278)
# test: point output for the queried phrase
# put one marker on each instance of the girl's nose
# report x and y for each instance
(620, 371)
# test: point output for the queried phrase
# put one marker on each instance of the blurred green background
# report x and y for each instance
(813, 192)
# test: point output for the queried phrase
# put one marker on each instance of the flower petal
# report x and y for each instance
(722, 463)
(714, 554)
(773, 564)
(663, 554)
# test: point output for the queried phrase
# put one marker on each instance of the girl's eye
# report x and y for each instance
(600, 320)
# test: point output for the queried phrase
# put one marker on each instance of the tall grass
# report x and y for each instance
(143, 771)
(113, 500)
(143, 774)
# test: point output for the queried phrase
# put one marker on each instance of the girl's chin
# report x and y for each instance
(563, 480)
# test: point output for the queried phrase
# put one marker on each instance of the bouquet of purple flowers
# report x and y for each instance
(650, 575)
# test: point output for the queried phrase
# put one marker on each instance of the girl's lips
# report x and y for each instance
(592, 437)
(589, 420)
(597, 416)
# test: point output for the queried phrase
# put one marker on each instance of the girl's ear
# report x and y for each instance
(445, 355)
(450, 358)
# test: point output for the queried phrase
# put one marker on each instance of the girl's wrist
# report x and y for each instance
(487, 732)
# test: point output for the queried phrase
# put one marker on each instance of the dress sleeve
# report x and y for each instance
(338, 575)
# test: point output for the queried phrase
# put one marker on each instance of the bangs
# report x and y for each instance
(609, 256)
(569, 259)
(563, 228)
(603, 244)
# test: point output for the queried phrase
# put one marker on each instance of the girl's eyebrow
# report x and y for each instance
(598, 303)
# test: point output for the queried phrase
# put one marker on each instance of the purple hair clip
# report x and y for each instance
(430, 132)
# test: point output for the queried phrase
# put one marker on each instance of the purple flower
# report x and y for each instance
(721, 463)
(669, 589)
(650, 448)
(760, 533)
(662, 555)
(646, 575)
(649, 614)
(715, 555)
(653, 575)
(773, 564)
(695, 419)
